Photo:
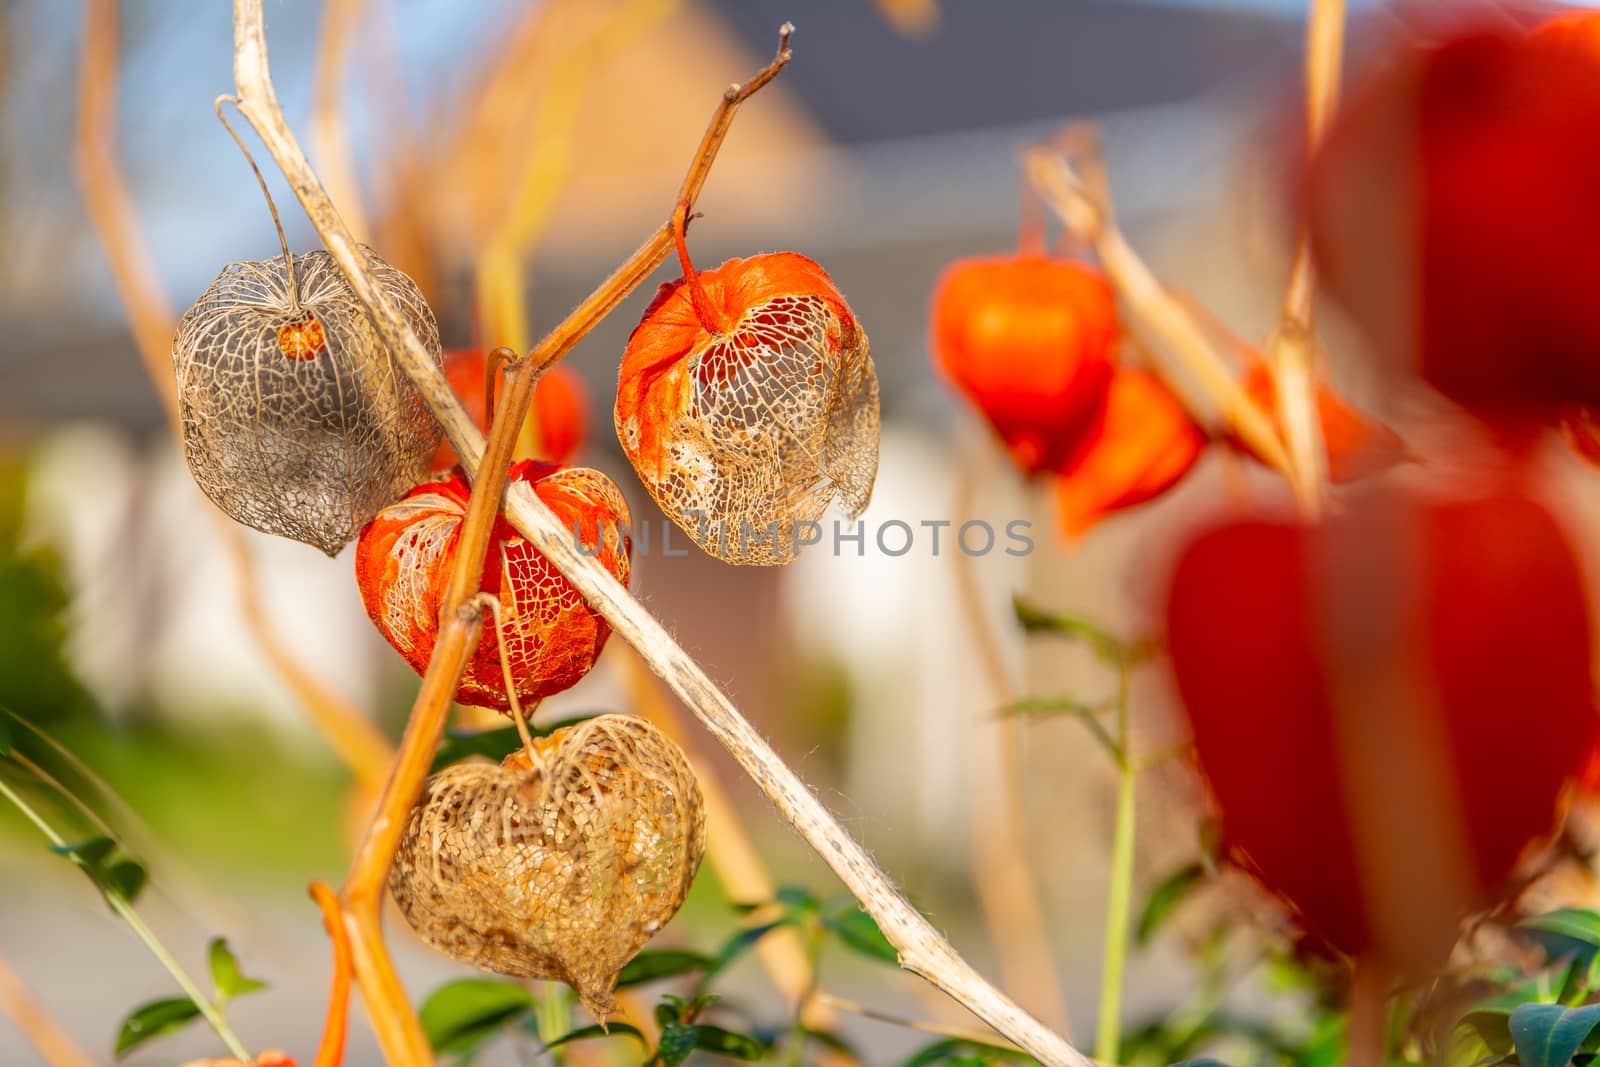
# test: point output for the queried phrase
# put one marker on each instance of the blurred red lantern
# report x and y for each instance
(403, 563)
(1030, 341)
(1581, 427)
(1356, 445)
(1387, 706)
(1574, 31)
(1452, 211)
(1141, 442)
(559, 412)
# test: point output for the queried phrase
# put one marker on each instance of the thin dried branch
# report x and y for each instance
(348, 732)
(1002, 864)
(921, 947)
(1073, 185)
(460, 627)
(960, 1033)
(1292, 350)
(330, 137)
(47, 1036)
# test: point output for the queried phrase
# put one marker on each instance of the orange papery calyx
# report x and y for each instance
(403, 563)
(747, 402)
(1141, 443)
(559, 413)
(1030, 341)
(1357, 446)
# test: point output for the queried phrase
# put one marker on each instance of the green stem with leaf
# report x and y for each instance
(120, 905)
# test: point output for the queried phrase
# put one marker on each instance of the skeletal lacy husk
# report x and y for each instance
(562, 867)
(745, 437)
(296, 419)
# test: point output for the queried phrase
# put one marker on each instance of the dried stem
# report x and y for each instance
(351, 734)
(711, 319)
(1002, 868)
(960, 1033)
(330, 138)
(330, 1050)
(460, 628)
(1078, 196)
(921, 947)
(1292, 349)
(732, 855)
(47, 1036)
(266, 194)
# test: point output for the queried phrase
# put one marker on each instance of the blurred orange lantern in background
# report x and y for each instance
(1030, 342)
(1141, 443)
(559, 413)
(1356, 445)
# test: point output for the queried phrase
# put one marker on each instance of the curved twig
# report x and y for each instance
(921, 948)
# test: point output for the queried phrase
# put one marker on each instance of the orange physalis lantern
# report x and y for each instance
(1141, 443)
(748, 402)
(1356, 445)
(403, 563)
(559, 412)
(1029, 340)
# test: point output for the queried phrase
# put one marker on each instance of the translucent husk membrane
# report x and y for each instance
(561, 870)
(760, 429)
(296, 419)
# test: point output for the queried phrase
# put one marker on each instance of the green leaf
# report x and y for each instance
(461, 1015)
(715, 1039)
(1165, 898)
(1565, 932)
(127, 879)
(677, 1041)
(1037, 621)
(226, 977)
(653, 965)
(496, 744)
(741, 942)
(1548, 1035)
(955, 1049)
(856, 929)
(796, 900)
(1490, 1019)
(151, 1020)
(91, 854)
(584, 1033)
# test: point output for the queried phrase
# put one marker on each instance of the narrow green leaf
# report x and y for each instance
(741, 942)
(653, 965)
(459, 1016)
(1566, 932)
(226, 977)
(586, 1032)
(1548, 1035)
(796, 900)
(739, 1046)
(1035, 620)
(151, 1020)
(1165, 898)
(856, 929)
(91, 854)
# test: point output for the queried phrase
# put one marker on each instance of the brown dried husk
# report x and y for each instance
(564, 874)
(306, 448)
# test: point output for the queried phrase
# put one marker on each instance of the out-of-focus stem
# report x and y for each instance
(1001, 864)
(348, 732)
(1292, 350)
(1119, 896)
(47, 1036)
(329, 136)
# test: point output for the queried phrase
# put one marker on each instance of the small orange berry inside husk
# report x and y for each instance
(560, 864)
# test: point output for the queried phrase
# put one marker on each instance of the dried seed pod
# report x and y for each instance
(403, 564)
(296, 419)
(748, 402)
(561, 870)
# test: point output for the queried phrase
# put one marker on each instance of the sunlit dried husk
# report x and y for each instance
(552, 635)
(564, 874)
(743, 437)
(296, 419)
